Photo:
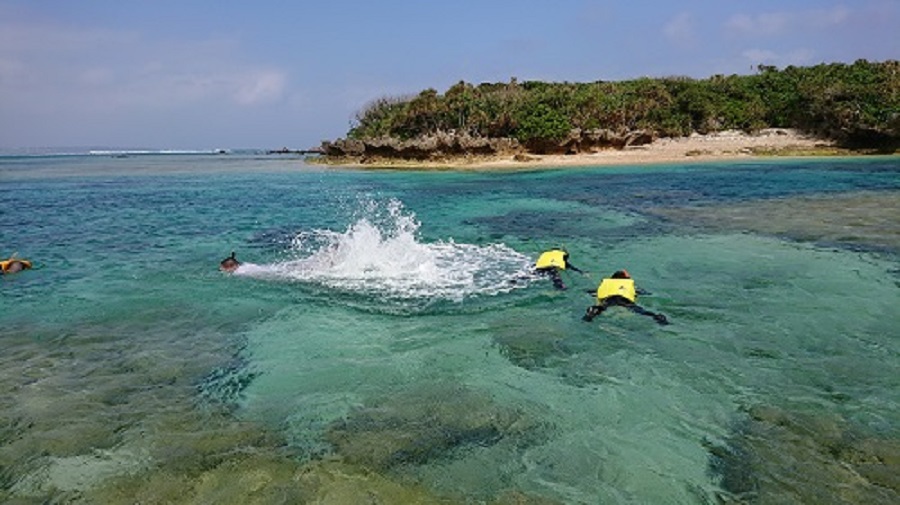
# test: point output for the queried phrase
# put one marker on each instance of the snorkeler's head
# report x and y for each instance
(229, 264)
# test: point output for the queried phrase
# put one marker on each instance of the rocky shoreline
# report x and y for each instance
(579, 148)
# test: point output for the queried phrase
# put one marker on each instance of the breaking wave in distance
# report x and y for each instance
(381, 254)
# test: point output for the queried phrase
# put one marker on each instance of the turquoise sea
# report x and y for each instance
(385, 342)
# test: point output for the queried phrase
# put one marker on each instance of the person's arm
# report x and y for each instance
(573, 267)
(594, 311)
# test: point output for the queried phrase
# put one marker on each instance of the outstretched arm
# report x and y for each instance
(594, 311)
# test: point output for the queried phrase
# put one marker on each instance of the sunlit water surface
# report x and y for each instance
(387, 322)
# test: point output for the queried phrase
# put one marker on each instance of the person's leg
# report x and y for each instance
(554, 276)
(557, 280)
(659, 318)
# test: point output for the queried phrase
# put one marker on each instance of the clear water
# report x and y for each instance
(387, 320)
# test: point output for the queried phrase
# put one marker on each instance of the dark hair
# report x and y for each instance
(229, 261)
(620, 274)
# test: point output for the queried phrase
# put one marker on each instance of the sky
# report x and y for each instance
(204, 74)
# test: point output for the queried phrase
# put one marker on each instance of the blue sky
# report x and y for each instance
(210, 74)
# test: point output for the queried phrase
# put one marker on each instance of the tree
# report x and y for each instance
(858, 104)
(540, 125)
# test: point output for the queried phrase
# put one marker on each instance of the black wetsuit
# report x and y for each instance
(553, 273)
(620, 301)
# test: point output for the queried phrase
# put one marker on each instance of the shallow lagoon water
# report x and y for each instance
(386, 321)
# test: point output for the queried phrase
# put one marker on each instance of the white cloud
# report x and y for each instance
(763, 56)
(827, 18)
(50, 66)
(96, 76)
(261, 87)
(11, 69)
(785, 22)
(760, 24)
(680, 29)
(797, 57)
(65, 85)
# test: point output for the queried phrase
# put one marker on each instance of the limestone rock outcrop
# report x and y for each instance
(437, 146)
(444, 145)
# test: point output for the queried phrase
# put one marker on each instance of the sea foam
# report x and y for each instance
(381, 253)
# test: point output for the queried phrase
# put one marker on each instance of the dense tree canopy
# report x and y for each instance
(856, 104)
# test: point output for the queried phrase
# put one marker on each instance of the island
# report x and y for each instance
(826, 109)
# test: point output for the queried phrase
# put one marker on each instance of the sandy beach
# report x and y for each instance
(717, 146)
(696, 148)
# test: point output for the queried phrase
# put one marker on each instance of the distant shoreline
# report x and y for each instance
(728, 145)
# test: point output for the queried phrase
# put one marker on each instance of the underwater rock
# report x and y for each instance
(333, 483)
(76, 473)
(776, 456)
(226, 384)
(520, 498)
(545, 348)
(265, 478)
(239, 480)
(530, 351)
(863, 220)
(194, 442)
(423, 425)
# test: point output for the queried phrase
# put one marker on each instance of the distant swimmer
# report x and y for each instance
(14, 265)
(229, 264)
(619, 289)
(551, 262)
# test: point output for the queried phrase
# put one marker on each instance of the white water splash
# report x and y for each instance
(382, 254)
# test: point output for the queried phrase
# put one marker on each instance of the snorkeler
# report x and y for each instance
(551, 262)
(14, 265)
(229, 264)
(619, 289)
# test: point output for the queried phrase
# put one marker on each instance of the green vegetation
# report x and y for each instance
(857, 105)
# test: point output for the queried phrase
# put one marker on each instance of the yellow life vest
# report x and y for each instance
(554, 258)
(5, 264)
(621, 287)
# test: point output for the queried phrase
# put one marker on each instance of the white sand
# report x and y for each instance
(718, 146)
